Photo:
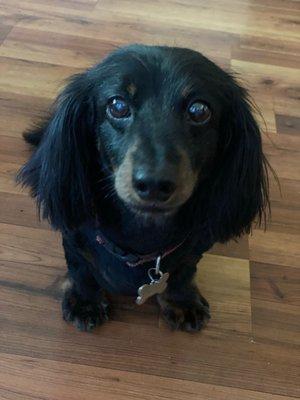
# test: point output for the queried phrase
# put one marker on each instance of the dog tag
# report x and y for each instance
(156, 286)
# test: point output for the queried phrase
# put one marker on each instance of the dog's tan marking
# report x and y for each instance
(123, 179)
(131, 89)
(186, 178)
(186, 91)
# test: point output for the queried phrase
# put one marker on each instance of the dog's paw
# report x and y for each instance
(83, 314)
(189, 317)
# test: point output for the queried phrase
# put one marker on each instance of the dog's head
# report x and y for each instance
(161, 125)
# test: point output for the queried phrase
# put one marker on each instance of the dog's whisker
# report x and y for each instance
(109, 194)
(107, 186)
(105, 178)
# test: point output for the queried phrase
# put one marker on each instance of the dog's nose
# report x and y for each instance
(150, 189)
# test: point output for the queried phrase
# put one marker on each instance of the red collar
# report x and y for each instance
(134, 259)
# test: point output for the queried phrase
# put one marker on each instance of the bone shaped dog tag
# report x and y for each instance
(156, 286)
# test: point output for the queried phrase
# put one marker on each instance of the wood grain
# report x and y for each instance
(103, 383)
(120, 344)
(250, 349)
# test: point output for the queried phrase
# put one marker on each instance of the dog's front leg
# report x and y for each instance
(84, 302)
(183, 307)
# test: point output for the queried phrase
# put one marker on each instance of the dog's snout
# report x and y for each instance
(150, 188)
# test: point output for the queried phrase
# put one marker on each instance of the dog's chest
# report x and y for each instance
(114, 274)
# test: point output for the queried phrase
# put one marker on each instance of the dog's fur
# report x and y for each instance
(82, 172)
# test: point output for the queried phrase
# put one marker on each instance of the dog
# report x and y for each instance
(145, 161)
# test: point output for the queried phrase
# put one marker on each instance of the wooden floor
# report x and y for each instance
(250, 350)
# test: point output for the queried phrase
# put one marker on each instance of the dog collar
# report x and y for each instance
(134, 259)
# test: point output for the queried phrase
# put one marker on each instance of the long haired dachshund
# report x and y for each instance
(146, 161)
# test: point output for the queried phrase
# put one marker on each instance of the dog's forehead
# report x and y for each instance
(147, 72)
(168, 73)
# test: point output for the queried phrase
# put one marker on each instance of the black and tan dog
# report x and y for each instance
(152, 155)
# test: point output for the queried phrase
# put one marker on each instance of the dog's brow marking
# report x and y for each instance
(131, 89)
(185, 91)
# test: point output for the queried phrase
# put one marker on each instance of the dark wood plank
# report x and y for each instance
(267, 51)
(20, 209)
(235, 248)
(275, 302)
(4, 31)
(33, 78)
(31, 246)
(29, 109)
(288, 125)
(275, 247)
(55, 48)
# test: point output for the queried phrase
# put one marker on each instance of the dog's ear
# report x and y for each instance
(240, 188)
(57, 172)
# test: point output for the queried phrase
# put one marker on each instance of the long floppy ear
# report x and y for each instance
(240, 189)
(57, 173)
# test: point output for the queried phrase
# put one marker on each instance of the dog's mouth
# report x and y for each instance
(152, 209)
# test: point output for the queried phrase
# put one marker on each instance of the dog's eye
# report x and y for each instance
(199, 112)
(117, 107)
